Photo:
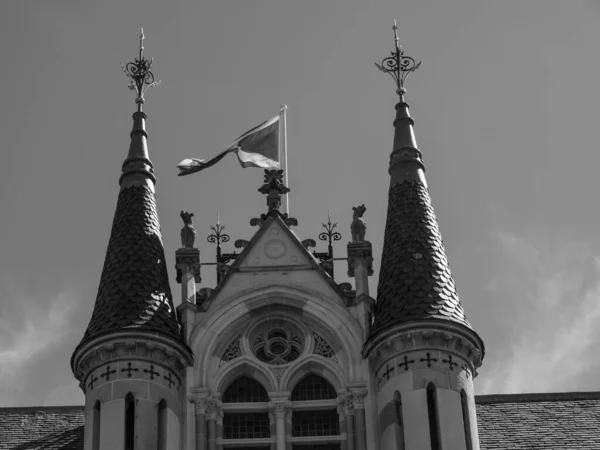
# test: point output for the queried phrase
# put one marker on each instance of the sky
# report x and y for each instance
(505, 106)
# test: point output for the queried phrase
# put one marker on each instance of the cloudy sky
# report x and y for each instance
(506, 115)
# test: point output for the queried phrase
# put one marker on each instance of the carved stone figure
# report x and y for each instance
(188, 232)
(358, 228)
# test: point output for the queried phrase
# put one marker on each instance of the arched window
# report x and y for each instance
(398, 421)
(245, 390)
(96, 426)
(313, 387)
(129, 421)
(309, 421)
(466, 419)
(252, 422)
(162, 425)
(433, 416)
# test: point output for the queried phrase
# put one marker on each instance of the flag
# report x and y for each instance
(258, 147)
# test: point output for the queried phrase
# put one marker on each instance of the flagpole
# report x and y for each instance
(283, 145)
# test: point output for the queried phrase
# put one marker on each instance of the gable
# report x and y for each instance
(275, 247)
(275, 257)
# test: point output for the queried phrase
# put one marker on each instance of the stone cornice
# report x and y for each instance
(130, 345)
(425, 336)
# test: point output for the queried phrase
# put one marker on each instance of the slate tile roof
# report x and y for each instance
(415, 282)
(557, 421)
(134, 289)
(539, 421)
(47, 428)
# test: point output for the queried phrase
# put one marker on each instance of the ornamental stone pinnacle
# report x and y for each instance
(415, 283)
(134, 304)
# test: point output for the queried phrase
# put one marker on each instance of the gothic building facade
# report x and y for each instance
(278, 356)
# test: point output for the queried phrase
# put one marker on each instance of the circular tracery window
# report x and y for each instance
(277, 344)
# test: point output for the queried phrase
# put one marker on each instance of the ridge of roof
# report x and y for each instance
(479, 399)
(23, 409)
(537, 397)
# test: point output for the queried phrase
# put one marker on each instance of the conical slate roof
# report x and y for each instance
(415, 282)
(134, 291)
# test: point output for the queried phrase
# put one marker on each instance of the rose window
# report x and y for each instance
(277, 346)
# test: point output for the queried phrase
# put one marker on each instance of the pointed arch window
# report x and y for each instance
(464, 401)
(252, 422)
(312, 421)
(433, 417)
(245, 390)
(129, 421)
(96, 425)
(313, 387)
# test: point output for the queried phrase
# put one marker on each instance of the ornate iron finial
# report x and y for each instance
(325, 258)
(398, 65)
(218, 236)
(222, 258)
(141, 76)
(329, 235)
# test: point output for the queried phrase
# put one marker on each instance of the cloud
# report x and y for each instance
(553, 285)
(22, 342)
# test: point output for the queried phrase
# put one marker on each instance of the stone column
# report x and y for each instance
(187, 263)
(280, 409)
(220, 429)
(360, 265)
(213, 410)
(360, 425)
(346, 416)
(200, 402)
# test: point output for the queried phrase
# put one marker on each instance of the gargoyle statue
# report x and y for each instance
(188, 232)
(358, 227)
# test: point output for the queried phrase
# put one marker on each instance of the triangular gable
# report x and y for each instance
(274, 247)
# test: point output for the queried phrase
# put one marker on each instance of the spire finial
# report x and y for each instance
(141, 76)
(142, 37)
(398, 65)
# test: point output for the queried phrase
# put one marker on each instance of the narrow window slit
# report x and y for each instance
(398, 421)
(433, 416)
(129, 421)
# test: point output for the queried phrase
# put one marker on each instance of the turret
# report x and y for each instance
(130, 360)
(422, 350)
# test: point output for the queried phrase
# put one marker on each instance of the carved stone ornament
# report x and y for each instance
(423, 349)
(358, 227)
(358, 397)
(200, 401)
(231, 352)
(280, 408)
(345, 404)
(188, 260)
(159, 358)
(213, 408)
(360, 252)
(188, 232)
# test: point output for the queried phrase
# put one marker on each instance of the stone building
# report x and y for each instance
(278, 356)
